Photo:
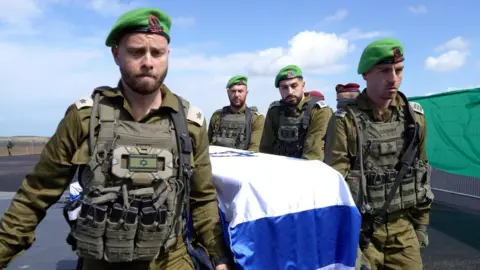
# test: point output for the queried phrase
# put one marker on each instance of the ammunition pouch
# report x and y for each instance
(89, 231)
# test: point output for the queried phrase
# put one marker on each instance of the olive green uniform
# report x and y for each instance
(370, 149)
(283, 129)
(68, 148)
(233, 134)
(394, 245)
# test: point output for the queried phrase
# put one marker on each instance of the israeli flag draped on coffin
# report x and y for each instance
(285, 213)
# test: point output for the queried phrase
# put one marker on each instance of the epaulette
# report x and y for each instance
(322, 104)
(416, 107)
(195, 115)
(84, 102)
(254, 108)
(340, 113)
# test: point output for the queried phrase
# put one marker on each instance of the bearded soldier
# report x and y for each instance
(146, 167)
(378, 144)
(236, 126)
(295, 125)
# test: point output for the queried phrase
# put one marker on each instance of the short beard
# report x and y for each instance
(141, 88)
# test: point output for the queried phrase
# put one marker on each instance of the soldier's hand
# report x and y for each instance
(222, 267)
(422, 235)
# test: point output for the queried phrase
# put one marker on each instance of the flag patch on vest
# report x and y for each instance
(322, 104)
(195, 115)
(84, 102)
(416, 107)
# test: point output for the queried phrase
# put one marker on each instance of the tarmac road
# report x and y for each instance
(453, 233)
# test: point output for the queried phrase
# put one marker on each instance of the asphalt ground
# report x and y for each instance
(453, 232)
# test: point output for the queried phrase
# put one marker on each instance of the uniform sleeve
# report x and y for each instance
(268, 134)
(314, 144)
(257, 130)
(421, 214)
(210, 128)
(336, 145)
(203, 196)
(40, 189)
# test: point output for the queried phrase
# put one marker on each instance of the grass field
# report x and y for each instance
(23, 145)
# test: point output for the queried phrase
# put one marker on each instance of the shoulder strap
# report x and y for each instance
(309, 105)
(412, 134)
(248, 127)
(185, 148)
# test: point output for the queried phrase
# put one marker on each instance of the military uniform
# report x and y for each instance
(141, 180)
(366, 148)
(240, 130)
(295, 131)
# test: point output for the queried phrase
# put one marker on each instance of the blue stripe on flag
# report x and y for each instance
(306, 240)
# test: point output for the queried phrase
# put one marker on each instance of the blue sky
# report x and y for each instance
(53, 52)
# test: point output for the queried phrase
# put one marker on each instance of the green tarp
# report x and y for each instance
(453, 130)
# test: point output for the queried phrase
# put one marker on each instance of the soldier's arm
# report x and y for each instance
(41, 188)
(257, 130)
(314, 144)
(336, 143)
(421, 214)
(203, 195)
(211, 125)
(268, 134)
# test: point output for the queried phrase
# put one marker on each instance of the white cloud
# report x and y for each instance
(19, 12)
(454, 57)
(357, 34)
(339, 15)
(316, 52)
(418, 9)
(183, 21)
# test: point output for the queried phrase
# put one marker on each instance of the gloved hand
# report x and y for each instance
(422, 235)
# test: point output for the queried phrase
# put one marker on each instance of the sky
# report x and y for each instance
(52, 52)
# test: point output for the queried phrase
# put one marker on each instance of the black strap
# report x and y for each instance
(412, 133)
(185, 147)
(309, 105)
(248, 127)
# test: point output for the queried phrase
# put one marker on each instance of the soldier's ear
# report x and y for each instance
(115, 54)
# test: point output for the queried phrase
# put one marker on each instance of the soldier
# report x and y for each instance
(146, 165)
(346, 93)
(295, 124)
(317, 94)
(9, 147)
(378, 144)
(236, 126)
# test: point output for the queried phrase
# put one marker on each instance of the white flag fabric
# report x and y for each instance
(285, 213)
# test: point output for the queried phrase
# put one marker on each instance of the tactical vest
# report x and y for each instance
(378, 159)
(234, 130)
(135, 186)
(292, 129)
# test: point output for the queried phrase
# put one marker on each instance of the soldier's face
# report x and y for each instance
(383, 81)
(292, 90)
(143, 61)
(237, 95)
(347, 95)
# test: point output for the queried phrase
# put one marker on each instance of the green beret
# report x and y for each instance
(147, 20)
(239, 79)
(288, 72)
(382, 51)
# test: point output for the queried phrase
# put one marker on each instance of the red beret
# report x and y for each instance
(349, 87)
(316, 94)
